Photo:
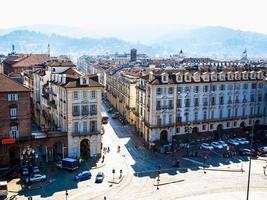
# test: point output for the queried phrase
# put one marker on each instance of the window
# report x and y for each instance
(205, 115)
(85, 110)
(12, 97)
(186, 117)
(259, 110)
(260, 85)
(252, 99)
(187, 89)
(75, 95)
(85, 127)
(158, 91)
(187, 102)
(221, 100)
(178, 130)
(196, 116)
(245, 86)
(222, 87)
(170, 90)
(230, 87)
(214, 88)
(211, 126)
(259, 98)
(196, 89)
(213, 100)
(204, 127)
(158, 120)
(205, 88)
(93, 94)
(75, 110)
(93, 109)
(158, 105)
(170, 104)
(228, 124)
(229, 113)
(84, 81)
(76, 127)
(84, 94)
(165, 78)
(236, 112)
(179, 103)
(179, 89)
(235, 123)
(196, 102)
(205, 101)
(212, 114)
(13, 113)
(253, 86)
(251, 110)
(93, 126)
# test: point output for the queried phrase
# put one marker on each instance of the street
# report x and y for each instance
(139, 174)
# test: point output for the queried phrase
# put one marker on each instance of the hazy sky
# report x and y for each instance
(241, 14)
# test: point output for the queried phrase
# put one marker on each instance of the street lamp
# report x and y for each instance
(66, 194)
(158, 177)
(188, 130)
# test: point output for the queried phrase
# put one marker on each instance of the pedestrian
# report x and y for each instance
(108, 149)
(105, 198)
(103, 158)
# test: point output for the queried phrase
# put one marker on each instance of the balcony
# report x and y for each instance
(85, 113)
(75, 114)
(164, 107)
(159, 125)
(81, 133)
(93, 112)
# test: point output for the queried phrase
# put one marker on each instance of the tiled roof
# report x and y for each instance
(26, 60)
(9, 85)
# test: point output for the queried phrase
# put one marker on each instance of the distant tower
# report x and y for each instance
(245, 55)
(133, 55)
(48, 50)
(13, 52)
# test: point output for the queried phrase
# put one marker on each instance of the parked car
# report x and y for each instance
(247, 152)
(217, 145)
(233, 142)
(36, 178)
(99, 177)
(35, 170)
(242, 141)
(206, 146)
(262, 151)
(223, 143)
(83, 176)
(115, 115)
(110, 110)
(25, 170)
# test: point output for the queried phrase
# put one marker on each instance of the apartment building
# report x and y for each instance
(15, 119)
(121, 92)
(199, 104)
(67, 101)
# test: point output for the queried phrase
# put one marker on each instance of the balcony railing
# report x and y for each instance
(159, 125)
(93, 112)
(75, 114)
(85, 112)
(84, 133)
(164, 107)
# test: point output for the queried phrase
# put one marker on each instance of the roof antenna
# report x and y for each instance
(48, 50)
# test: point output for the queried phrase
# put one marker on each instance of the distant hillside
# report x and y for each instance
(204, 41)
(35, 42)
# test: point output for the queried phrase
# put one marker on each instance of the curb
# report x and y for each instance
(223, 170)
(166, 183)
(118, 182)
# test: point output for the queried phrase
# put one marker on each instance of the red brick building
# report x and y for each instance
(15, 119)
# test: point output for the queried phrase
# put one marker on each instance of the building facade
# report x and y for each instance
(199, 105)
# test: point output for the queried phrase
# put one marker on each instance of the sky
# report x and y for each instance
(238, 14)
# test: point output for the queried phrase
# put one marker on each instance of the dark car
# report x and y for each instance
(99, 177)
(83, 176)
(247, 152)
(262, 151)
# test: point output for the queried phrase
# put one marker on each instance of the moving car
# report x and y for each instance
(241, 141)
(217, 145)
(206, 146)
(115, 115)
(35, 170)
(83, 176)
(99, 177)
(233, 142)
(36, 178)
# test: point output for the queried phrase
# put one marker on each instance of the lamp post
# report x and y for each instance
(66, 193)
(264, 170)
(158, 177)
(188, 130)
